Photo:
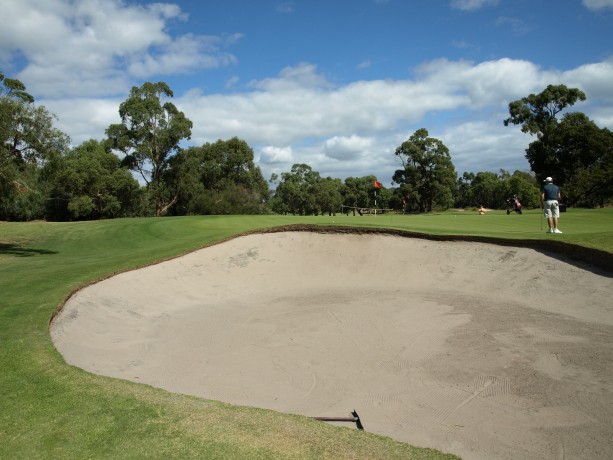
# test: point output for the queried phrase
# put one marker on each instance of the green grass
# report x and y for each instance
(51, 410)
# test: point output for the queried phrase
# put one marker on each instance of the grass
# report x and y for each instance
(51, 410)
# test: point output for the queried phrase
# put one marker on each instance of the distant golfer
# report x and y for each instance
(550, 197)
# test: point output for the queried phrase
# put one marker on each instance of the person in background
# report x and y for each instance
(482, 210)
(550, 198)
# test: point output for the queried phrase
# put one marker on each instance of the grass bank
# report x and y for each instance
(51, 410)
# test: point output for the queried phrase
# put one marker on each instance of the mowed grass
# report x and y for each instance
(49, 409)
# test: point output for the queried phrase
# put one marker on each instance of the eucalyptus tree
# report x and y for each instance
(150, 132)
(27, 133)
(537, 113)
(428, 175)
(28, 139)
(89, 183)
(294, 192)
(572, 149)
(219, 178)
(580, 157)
(328, 195)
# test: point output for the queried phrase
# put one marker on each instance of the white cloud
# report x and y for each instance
(85, 57)
(594, 79)
(356, 127)
(271, 155)
(88, 45)
(299, 116)
(347, 148)
(471, 5)
(596, 5)
(485, 145)
(84, 118)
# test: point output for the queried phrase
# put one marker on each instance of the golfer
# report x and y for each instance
(550, 197)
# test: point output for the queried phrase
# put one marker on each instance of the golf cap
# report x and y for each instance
(548, 179)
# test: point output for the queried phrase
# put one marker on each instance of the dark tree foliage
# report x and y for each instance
(573, 150)
(292, 194)
(218, 178)
(27, 140)
(428, 177)
(89, 183)
(579, 155)
(536, 113)
(359, 192)
(492, 190)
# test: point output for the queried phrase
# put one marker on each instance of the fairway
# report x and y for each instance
(475, 349)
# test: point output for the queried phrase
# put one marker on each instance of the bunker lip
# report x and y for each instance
(589, 258)
(484, 350)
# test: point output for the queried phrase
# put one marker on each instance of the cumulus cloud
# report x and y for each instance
(596, 5)
(298, 116)
(88, 45)
(361, 123)
(495, 144)
(272, 155)
(347, 148)
(85, 59)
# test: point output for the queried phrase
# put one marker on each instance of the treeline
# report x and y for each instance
(303, 191)
(43, 177)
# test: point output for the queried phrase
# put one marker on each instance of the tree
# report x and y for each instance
(89, 183)
(327, 194)
(464, 195)
(149, 133)
(219, 178)
(358, 192)
(293, 192)
(27, 139)
(536, 113)
(13, 88)
(580, 157)
(487, 191)
(428, 176)
(524, 185)
(573, 150)
(27, 133)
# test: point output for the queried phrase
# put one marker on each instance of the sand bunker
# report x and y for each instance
(488, 352)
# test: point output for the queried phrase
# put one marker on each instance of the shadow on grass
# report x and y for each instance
(20, 251)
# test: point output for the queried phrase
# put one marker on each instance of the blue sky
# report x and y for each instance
(338, 85)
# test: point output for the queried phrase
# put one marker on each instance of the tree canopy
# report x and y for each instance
(218, 178)
(28, 139)
(573, 150)
(150, 131)
(89, 183)
(429, 176)
(536, 113)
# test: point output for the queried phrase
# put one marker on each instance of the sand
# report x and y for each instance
(484, 351)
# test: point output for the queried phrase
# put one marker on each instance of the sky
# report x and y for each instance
(336, 84)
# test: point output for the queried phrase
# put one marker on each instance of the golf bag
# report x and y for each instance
(513, 204)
